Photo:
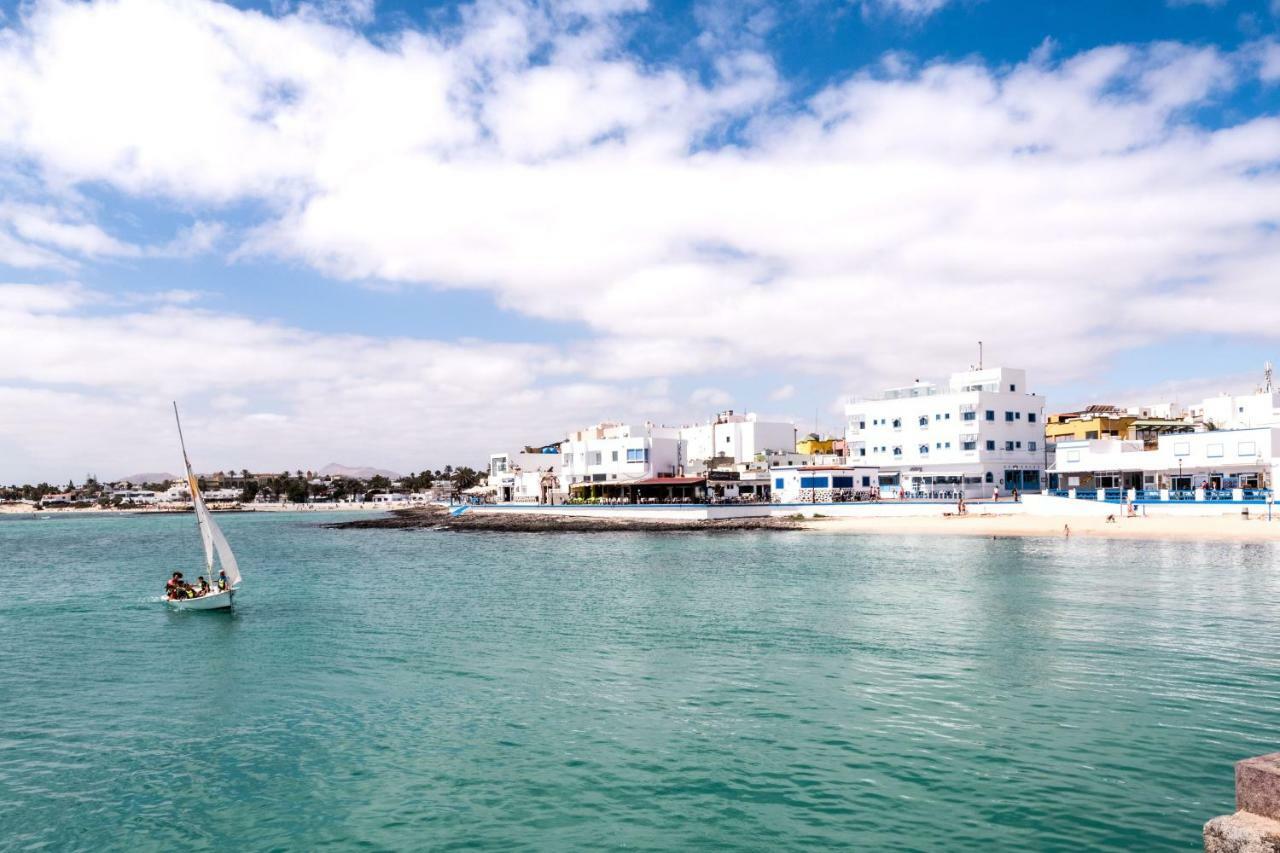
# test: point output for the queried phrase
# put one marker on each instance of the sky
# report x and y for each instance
(409, 235)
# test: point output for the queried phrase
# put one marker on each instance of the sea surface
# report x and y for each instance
(379, 689)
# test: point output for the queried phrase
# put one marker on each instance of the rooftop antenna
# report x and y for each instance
(979, 355)
(1267, 372)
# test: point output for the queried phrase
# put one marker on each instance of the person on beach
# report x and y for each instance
(995, 494)
(1015, 496)
(1066, 530)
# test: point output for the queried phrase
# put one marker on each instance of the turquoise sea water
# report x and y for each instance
(770, 691)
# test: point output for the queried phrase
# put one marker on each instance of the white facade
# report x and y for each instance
(736, 437)
(983, 430)
(1244, 411)
(1216, 460)
(525, 477)
(823, 483)
(621, 453)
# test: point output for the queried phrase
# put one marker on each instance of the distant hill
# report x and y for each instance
(139, 479)
(333, 469)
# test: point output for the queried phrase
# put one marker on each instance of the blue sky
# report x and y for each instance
(408, 234)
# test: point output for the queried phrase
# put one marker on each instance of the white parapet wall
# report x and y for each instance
(1033, 504)
(699, 512)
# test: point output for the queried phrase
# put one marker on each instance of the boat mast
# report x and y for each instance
(194, 492)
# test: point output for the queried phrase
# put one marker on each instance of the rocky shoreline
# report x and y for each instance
(437, 518)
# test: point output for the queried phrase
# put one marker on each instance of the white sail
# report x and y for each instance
(226, 559)
(210, 533)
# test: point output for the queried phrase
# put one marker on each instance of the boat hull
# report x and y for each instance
(213, 601)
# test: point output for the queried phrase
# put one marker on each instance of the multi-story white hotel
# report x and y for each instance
(734, 438)
(982, 431)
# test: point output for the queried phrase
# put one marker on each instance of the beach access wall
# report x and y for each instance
(1049, 505)
(1033, 504)
(703, 512)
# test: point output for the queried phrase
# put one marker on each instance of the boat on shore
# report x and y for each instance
(216, 548)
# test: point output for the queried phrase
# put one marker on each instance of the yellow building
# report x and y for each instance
(1108, 422)
(1093, 422)
(811, 444)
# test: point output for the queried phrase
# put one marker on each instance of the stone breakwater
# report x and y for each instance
(438, 518)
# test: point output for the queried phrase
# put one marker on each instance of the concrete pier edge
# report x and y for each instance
(1255, 826)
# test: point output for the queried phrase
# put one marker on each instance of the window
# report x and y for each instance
(615, 456)
(1213, 451)
(638, 454)
(924, 450)
(814, 482)
(866, 481)
(1018, 445)
(989, 478)
(862, 451)
(969, 445)
(726, 439)
(991, 445)
(1182, 448)
(1031, 417)
(938, 417)
(779, 484)
(1008, 445)
(897, 451)
(1008, 416)
(947, 416)
(991, 415)
(1031, 445)
(924, 420)
(969, 416)
(593, 458)
(937, 446)
(1073, 455)
(897, 423)
(862, 424)
(1247, 448)
(1013, 388)
(842, 482)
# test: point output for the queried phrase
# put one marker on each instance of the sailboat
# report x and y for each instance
(214, 544)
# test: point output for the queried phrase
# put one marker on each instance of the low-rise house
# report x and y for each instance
(1215, 464)
(824, 483)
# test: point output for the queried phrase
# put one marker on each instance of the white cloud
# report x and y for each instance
(80, 389)
(714, 398)
(783, 392)
(1063, 209)
(907, 8)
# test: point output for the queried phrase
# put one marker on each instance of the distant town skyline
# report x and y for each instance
(405, 235)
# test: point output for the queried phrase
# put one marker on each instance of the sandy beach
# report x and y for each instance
(1225, 528)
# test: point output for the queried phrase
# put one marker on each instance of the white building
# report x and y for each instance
(1178, 465)
(1242, 411)
(620, 454)
(983, 430)
(525, 477)
(137, 496)
(823, 483)
(734, 438)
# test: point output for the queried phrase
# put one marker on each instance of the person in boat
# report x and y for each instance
(204, 587)
(171, 584)
(222, 582)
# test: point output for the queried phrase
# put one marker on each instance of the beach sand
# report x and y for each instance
(1224, 528)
